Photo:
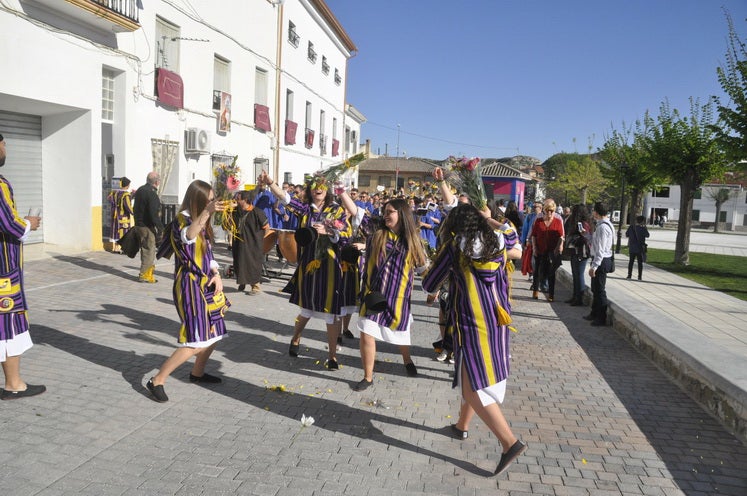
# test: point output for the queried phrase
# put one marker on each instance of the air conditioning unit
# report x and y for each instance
(196, 141)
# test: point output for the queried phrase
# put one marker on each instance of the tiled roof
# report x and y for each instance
(498, 169)
(389, 164)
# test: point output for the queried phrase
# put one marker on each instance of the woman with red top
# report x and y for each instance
(547, 242)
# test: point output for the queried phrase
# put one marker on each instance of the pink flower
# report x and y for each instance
(232, 183)
(471, 164)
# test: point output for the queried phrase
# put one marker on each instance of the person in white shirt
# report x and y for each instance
(601, 264)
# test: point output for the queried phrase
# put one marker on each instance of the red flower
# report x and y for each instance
(232, 183)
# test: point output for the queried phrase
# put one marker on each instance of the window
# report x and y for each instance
(321, 122)
(334, 127)
(385, 181)
(722, 216)
(308, 115)
(289, 105)
(661, 192)
(354, 142)
(167, 45)
(260, 86)
(312, 53)
(696, 216)
(325, 66)
(338, 79)
(221, 79)
(107, 95)
(364, 180)
(698, 194)
(293, 37)
(288, 177)
(347, 139)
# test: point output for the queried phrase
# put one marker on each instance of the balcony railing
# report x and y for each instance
(126, 8)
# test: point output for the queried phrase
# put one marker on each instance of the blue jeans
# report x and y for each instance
(578, 269)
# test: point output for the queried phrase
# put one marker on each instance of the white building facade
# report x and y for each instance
(665, 202)
(93, 90)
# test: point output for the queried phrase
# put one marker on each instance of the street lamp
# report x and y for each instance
(623, 169)
(396, 170)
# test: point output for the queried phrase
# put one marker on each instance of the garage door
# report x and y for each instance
(23, 167)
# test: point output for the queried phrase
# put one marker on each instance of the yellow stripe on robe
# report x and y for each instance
(482, 330)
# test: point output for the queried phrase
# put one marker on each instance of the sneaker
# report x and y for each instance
(458, 433)
(412, 370)
(363, 385)
(347, 333)
(29, 391)
(450, 359)
(157, 391)
(332, 364)
(509, 456)
(442, 356)
(206, 378)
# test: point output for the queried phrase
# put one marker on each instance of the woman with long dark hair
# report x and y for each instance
(317, 281)
(473, 256)
(578, 243)
(393, 254)
(198, 288)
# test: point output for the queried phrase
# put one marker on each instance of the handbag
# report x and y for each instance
(217, 304)
(612, 263)
(130, 243)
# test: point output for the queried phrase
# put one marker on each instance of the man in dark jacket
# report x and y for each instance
(148, 224)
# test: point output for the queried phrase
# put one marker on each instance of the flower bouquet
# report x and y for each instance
(323, 243)
(227, 183)
(333, 173)
(466, 177)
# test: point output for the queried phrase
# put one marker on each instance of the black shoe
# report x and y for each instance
(627, 277)
(570, 300)
(206, 378)
(640, 278)
(412, 371)
(332, 364)
(242, 287)
(293, 349)
(29, 391)
(347, 333)
(599, 323)
(363, 385)
(577, 303)
(509, 456)
(589, 317)
(157, 391)
(458, 433)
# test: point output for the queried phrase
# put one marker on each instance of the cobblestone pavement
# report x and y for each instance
(598, 417)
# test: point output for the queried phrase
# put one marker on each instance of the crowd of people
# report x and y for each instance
(354, 254)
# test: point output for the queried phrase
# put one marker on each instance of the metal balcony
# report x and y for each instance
(108, 15)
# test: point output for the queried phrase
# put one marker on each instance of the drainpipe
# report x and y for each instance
(278, 127)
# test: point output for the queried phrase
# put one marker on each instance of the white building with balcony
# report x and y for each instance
(93, 90)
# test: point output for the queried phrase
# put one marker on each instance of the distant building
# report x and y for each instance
(507, 183)
(665, 202)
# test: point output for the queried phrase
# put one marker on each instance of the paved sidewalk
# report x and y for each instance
(599, 418)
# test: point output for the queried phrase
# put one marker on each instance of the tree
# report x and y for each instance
(580, 178)
(686, 150)
(733, 80)
(720, 196)
(624, 153)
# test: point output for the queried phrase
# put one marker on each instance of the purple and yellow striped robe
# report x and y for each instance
(121, 213)
(476, 290)
(320, 289)
(13, 318)
(395, 279)
(191, 275)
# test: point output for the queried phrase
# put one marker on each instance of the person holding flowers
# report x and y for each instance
(198, 288)
(317, 282)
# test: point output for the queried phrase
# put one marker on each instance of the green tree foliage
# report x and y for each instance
(686, 150)
(626, 157)
(580, 179)
(719, 196)
(733, 80)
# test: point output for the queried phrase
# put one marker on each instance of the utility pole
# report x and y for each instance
(396, 170)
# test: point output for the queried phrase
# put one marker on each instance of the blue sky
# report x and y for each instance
(496, 78)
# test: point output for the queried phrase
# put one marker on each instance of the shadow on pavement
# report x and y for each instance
(331, 415)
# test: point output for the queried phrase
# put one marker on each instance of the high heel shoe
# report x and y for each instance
(535, 295)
